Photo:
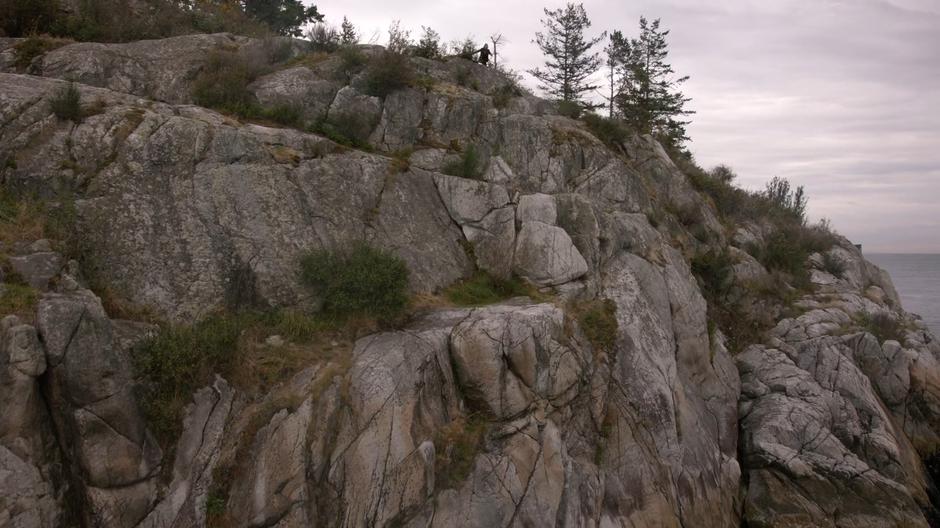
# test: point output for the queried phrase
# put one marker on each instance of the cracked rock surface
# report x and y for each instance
(510, 415)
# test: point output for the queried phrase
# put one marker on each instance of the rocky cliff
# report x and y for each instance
(183, 211)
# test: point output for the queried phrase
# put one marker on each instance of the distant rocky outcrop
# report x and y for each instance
(186, 211)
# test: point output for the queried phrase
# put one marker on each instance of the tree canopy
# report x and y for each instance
(284, 17)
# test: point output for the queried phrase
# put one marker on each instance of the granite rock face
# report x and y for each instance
(512, 414)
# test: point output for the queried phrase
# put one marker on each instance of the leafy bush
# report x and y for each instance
(323, 37)
(598, 321)
(715, 273)
(179, 360)
(223, 83)
(482, 288)
(467, 166)
(17, 298)
(612, 132)
(429, 46)
(350, 130)
(361, 281)
(35, 45)
(570, 109)
(465, 49)
(504, 94)
(399, 40)
(387, 72)
(66, 103)
(791, 201)
(833, 264)
(882, 326)
(456, 447)
(352, 59)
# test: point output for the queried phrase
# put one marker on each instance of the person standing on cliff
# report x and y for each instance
(484, 54)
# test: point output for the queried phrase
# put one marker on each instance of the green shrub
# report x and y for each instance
(429, 45)
(715, 273)
(350, 130)
(570, 109)
(223, 82)
(598, 321)
(361, 281)
(66, 103)
(323, 37)
(462, 75)
(288, 115)
(482, 288)
(467, 166)
(179, 360)
(456, 447)
(882, 326)
(833, 264)
(24, 52)
(351, 61)
(504, 94)
(17, 298)
(387, 73)
(612, 132)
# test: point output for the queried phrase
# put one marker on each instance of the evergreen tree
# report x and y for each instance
(569, 62)
(616, 51)
(284, 17)
(429, 46)
(348, 35)
(649, 99)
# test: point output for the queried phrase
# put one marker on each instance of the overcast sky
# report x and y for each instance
(842, 97)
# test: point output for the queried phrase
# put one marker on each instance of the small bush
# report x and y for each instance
(179, 360)
(429, 46)
(323, 37)
(223, 83)
(17, 299)
(351, 61)
(24, 52)
(783, 198)
(351, 130)
(456, 448)
(462, 76)
(715, 273)
(465, 49)
(882, 326)
(570, 109)
(832, 264)
(468, 166)
(482, 288)
(504, 94)
(399, 40)
(361, 281)
(401, 160)
(598, 321)
(66, 103)
(387, 73)
(612, 132)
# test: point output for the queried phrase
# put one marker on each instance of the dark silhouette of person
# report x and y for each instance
(484, 54)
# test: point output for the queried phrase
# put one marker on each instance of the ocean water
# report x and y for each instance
(917, 279)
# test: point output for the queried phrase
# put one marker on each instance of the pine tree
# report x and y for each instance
(348, 35)
(616, 51)
(569, 62)
(649, 99)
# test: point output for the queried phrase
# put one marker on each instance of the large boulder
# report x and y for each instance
(113, 459)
